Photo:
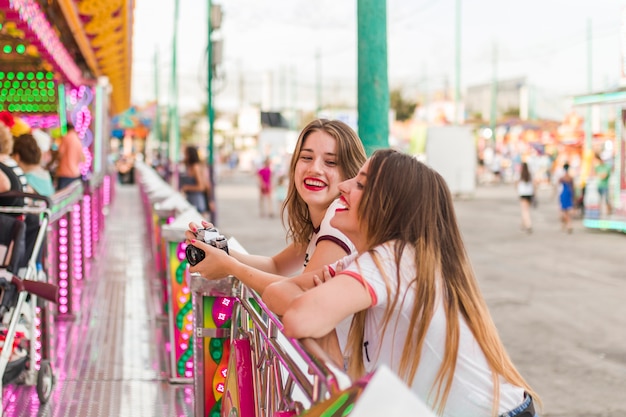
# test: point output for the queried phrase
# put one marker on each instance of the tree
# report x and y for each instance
(512, 112)
(404, 109)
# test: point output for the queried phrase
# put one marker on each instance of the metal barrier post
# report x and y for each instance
(180, 313)
(65, 243)
(213, 303)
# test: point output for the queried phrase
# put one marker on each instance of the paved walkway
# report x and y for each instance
(558, 300)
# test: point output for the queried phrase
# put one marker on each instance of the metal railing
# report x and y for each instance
(285, 368)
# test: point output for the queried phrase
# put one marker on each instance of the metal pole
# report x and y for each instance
(494, 95)
(373, 88)
(173, 134)
(457, 67)
(588, 134)
(294, 99)
(210, 113)
(157, 116)
(318, 67)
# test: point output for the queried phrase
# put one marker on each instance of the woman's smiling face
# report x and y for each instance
(346, 218)
(317, 175)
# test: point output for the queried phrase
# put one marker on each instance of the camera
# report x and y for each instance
(211, 236)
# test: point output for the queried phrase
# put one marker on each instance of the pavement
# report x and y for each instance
(557, 299)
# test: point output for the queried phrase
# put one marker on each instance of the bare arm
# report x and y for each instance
(218, 264)
(286, 262)
(317, 311)
(5, 183)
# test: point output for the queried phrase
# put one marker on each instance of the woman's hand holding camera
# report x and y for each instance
(193, 230)
(217, 263)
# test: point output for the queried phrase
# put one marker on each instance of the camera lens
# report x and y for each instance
(194, 255)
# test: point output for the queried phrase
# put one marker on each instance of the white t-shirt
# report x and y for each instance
(471, 393)
(327, 232)
(525, 188)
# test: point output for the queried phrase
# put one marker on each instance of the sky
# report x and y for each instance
(274, 50)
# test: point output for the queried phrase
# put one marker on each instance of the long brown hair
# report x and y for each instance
(525, 173)
(350, 158)
(407, 202)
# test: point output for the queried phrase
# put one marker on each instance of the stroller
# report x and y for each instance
(22, 287)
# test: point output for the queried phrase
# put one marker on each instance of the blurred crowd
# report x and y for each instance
(35, 160)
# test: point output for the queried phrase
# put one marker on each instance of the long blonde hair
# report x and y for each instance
(350, 158)
(409, 203)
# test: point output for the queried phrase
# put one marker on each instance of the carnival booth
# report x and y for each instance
(613, 152)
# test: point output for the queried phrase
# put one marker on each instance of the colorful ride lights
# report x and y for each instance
(87, 214)
(29, 92)
(77, 243)
(63, 265)
(19, 48)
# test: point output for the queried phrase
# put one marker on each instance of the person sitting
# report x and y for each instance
(416, 302)
(27, 154)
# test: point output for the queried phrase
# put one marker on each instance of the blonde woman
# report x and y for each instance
(326, 153)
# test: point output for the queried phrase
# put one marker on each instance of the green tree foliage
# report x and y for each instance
(404, 109)
(188, 124)
(512, 112)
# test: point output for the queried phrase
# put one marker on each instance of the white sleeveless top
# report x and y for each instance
(525, 188)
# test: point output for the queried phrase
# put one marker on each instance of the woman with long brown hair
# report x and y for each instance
(416, 303)
(194, 181)
(326, 153)
(526, 192)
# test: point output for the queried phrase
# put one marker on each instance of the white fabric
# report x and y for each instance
(43, 139)
(525, 188)
(327, 232)
(471, 393)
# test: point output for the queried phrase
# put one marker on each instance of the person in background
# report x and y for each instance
(11, 175)
(264, 175)
(415, 301)
(526, 192)
(27, 154)
(566, 198)
(12, 178)
(194, 182)
(602, 172)
(45, 143)
(6, 150)
(70, 156)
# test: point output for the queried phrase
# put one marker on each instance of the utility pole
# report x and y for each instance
(588, 134)
(318, 84)
(157, 116)
(494, 95)
(373, 87)
(458, 119)
(209, 110)
(173, 123)
(294, 99)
